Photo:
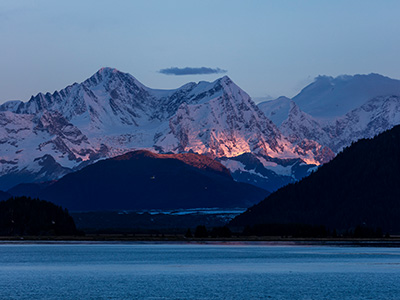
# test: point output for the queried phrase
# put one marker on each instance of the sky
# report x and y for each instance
(268, 48)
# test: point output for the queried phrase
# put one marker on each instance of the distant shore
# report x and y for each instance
(367, 242)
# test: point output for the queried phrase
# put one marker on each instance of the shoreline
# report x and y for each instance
(179, 239)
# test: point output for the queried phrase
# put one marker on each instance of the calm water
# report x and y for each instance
(197, 271)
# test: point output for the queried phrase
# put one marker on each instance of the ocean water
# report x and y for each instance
(197, 271)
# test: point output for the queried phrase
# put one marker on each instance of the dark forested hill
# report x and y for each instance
(361, 186)
(25, 216)
(145, 180)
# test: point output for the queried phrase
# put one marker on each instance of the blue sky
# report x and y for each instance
(267, 47)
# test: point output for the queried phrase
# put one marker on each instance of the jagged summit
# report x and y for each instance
(225, 79)
(107, 74)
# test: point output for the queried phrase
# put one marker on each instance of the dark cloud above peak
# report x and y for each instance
(191, 71)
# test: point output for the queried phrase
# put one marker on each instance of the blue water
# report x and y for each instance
(197, 271)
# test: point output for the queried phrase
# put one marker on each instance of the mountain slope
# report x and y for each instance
(145, 180)
(358, 187)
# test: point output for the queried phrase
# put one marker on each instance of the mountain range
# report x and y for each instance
(112, 113)
(268, 145)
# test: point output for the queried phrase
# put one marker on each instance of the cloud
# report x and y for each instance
(191, 71)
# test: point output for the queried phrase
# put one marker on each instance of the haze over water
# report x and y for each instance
(197, 271)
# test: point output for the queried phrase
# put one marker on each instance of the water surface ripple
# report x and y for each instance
(197, 271)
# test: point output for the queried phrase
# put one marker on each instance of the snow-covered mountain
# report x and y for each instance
(329, 98)
(338, 111)
(112, 113)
